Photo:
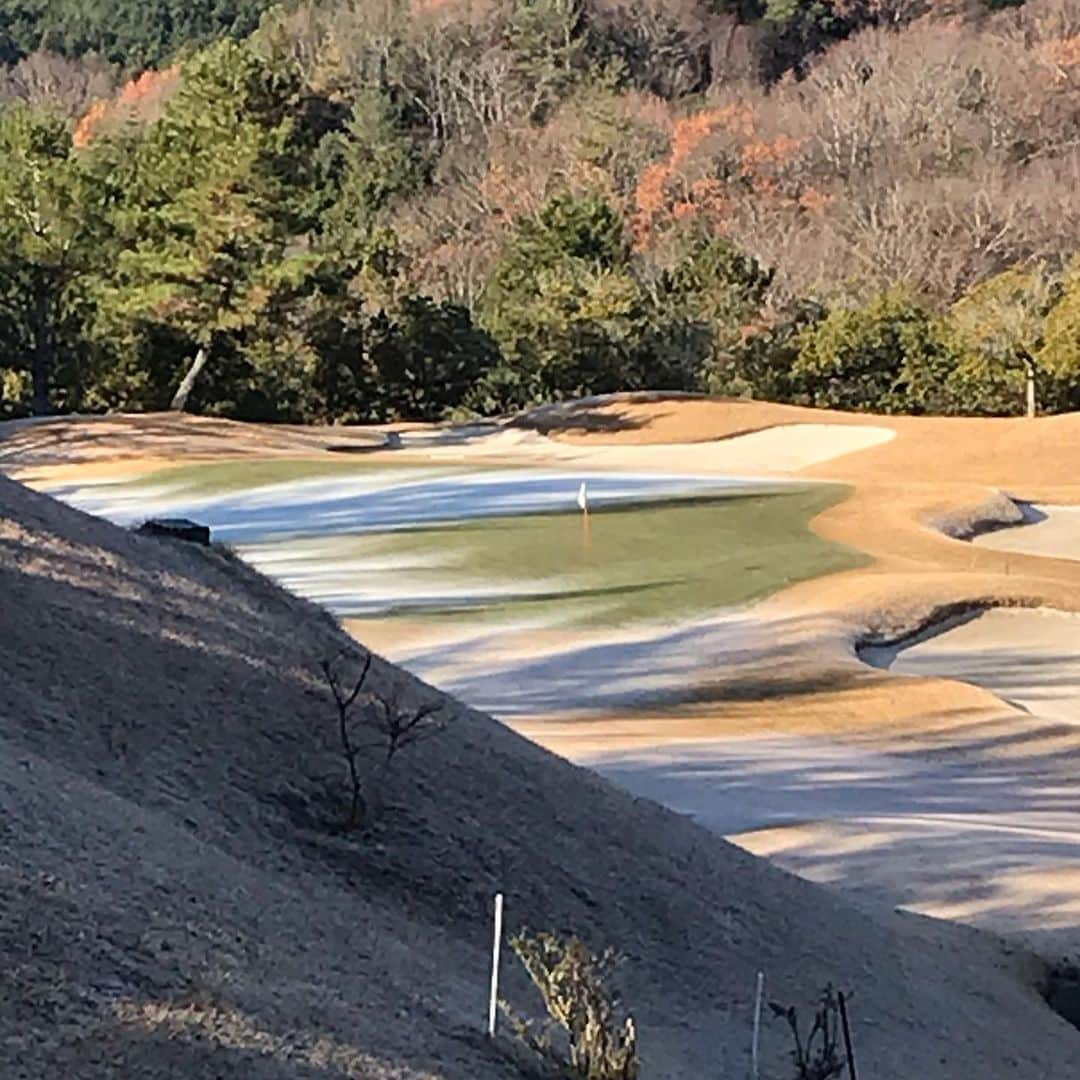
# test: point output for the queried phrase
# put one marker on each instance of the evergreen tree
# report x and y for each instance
(206, 222)
(51, 235)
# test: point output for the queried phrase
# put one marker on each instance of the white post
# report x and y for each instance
(495, 949)
(759, 994)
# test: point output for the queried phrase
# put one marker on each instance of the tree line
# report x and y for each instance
(368, 209)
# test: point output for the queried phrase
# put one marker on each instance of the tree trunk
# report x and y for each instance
(187, 384)
(1029, 387)
(41, 357)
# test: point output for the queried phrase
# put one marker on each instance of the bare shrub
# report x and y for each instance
(54, 83)
(666, 45)
(582, 1039)
(372, 728)
(817, 1055)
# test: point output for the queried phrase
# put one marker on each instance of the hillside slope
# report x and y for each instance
(173, 903)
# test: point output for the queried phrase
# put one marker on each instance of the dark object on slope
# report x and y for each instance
(177, 528)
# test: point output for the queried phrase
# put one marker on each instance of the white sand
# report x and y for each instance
(780, 450)
(991, 838)
(1030, 659)
(995, 845)
(1050, 530)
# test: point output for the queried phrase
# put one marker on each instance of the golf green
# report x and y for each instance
(661, 561)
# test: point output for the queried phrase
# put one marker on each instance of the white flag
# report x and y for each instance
(583, 498)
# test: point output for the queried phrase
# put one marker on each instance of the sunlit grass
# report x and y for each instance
(662, 561)
(221, 477)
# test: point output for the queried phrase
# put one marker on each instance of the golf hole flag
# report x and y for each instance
(583, 498)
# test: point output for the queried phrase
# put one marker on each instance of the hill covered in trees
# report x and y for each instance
(369, 209)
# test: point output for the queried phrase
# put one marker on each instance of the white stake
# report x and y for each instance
(583, 498)
(495, 949)
(759, 994)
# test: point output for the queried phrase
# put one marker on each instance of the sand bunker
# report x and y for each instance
(991, 838)
(1047, 530)
(1028, 658)
(783, 449)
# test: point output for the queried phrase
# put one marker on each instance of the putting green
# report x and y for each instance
(664, 561)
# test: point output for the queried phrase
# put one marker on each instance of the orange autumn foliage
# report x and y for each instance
(142, 98)
(756, 156)
(652, 196)
(1061, 55)
(88, 124)
(814, 201)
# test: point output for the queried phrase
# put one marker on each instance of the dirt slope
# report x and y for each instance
(171, 905)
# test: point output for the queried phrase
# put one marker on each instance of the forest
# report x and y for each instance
(360, 210)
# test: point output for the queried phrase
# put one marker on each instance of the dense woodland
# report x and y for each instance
(353, 210)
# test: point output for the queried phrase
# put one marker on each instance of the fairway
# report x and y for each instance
(208, 478)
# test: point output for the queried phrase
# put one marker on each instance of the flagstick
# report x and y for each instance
(583, 504)
(495, 949)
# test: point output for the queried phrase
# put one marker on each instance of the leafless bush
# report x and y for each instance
(582, 1039)
(372, 728)
(666, 45)
(817, 1055)
(47, 81)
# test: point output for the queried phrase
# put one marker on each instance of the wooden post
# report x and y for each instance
(496, 947)
(1030, 374)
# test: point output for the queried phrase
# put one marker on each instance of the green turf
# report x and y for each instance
(669, 560)
(218, 477)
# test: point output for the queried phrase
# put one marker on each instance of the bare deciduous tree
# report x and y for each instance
(54, 83)
(373, 726)
(344, 700)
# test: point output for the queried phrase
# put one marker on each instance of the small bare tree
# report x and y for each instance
(344, 700)
(378, 723)
(818, 1055)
